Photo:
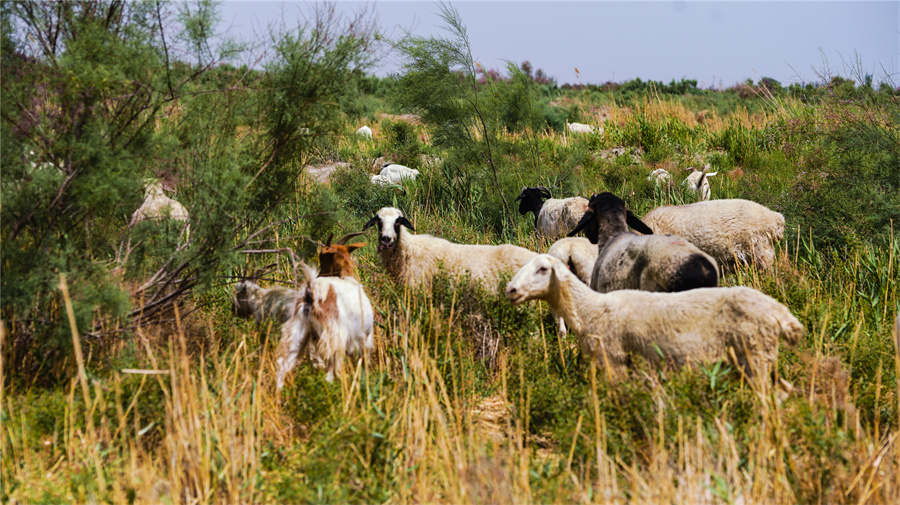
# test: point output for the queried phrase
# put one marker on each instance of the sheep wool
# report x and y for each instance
(705, 325)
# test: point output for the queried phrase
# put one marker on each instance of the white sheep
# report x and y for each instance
(554, 217)
(708, 325)
(578, 253)
(660, 177)
(582, 128)
(392, 173)
(157, 205)
(333, 320)
(413, 260)
(650, 262)
(364, 131)
(732, 231)
(698, 183)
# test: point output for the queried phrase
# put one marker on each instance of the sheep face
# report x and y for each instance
(246, 297)
(534, 280)
(388, 220)
(532, 199)
(607, 216)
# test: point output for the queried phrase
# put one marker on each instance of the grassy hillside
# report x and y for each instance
(467, 399)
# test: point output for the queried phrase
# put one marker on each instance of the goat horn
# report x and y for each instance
(347, 237)
(545, 191)
(328, 242)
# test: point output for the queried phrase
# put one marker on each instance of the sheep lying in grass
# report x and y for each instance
(157, 205)
(707, 325)
(414, 259)
(333, 319)
(660, 177)
(553, 217)
(581, 128)
(630, 261)
(392, 173)
(732, 231)
(698, 183)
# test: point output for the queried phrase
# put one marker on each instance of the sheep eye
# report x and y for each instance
(542, 270)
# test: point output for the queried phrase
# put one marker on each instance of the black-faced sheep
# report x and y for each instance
(414, 259)
(553, 217)
(630, 261)
(707, 325)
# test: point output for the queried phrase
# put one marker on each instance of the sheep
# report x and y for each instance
(364, 131)
(581, 128)
(578, 253)
(397, 173)
(731, 231)
(706, 325)
(157, 205)
(334, 319)
(698, 183)
(554, 217)
(413, 260)
(660, 177)
(630, 261)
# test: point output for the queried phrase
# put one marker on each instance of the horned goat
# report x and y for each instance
(650, 262)
(553, 217)
(707, 325)
(335, 260)
(414, 259)
(334, 319)
(731, 231)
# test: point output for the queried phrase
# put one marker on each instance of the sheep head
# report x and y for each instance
(536, 279)
(606, 217)
(388, 220)
(532, 199)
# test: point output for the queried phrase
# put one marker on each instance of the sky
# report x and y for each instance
(717, 43)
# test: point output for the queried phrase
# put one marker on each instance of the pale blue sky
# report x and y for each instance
(717, 43)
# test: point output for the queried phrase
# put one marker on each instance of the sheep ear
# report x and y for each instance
(585, 219)
(370, 223)
(637, 224)
(405, 222)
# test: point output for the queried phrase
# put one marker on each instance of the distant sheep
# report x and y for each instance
(364, 131)
(630, 261)
(553, 217)
(731, 231)
(703, 326)
(660, 177)
(581, 128)
(392, 173)
(333, 320)
(413, 260)
(698, 183)
(157, 205)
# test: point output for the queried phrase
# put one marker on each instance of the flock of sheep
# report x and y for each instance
(651, 292)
